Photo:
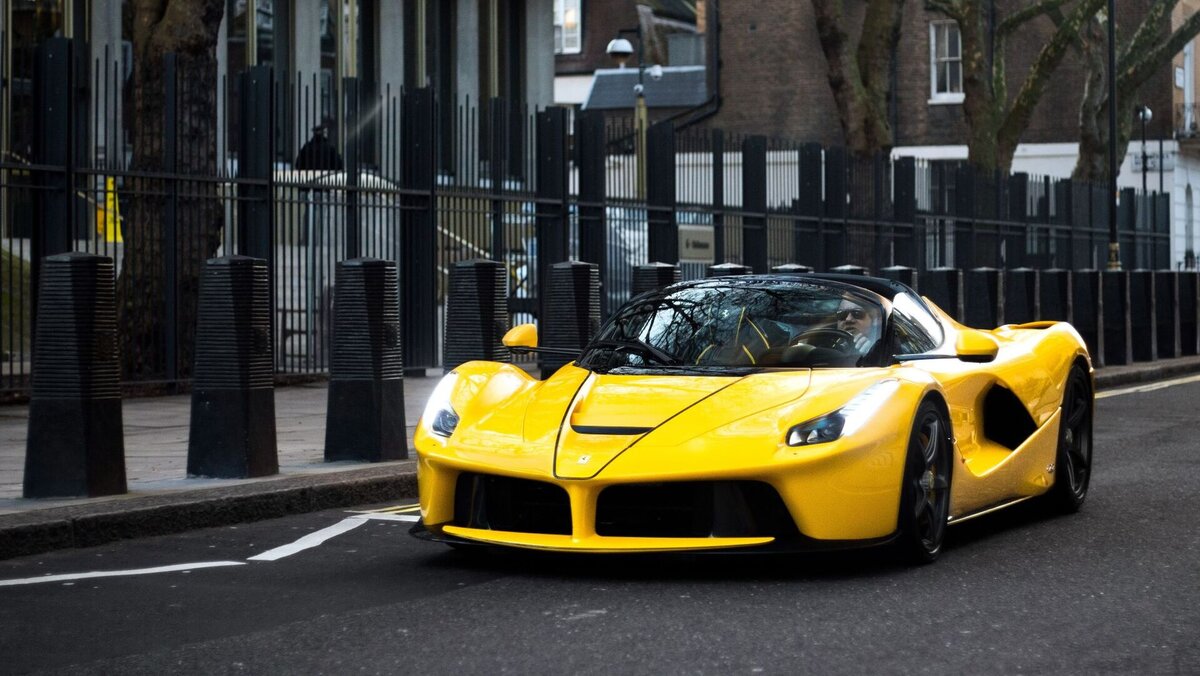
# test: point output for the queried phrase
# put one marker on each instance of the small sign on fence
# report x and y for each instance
(696, 243)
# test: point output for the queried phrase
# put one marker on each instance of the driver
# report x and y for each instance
(856, 320)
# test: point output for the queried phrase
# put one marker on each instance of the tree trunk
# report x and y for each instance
(860, 78)
(188, 29)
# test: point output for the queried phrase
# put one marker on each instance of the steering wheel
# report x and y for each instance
(827, 337)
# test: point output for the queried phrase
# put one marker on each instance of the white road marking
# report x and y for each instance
(311, 540)
(1148, 388)
(181, 567)
(410, 518)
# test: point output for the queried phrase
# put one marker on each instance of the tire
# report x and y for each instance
(925, 492)
(1073, 461)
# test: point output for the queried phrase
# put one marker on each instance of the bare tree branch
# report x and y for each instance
(1032, 11)
(1132, 75)
(951, 8)
(1148, 32)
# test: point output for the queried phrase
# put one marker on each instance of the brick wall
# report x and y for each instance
(773, 77)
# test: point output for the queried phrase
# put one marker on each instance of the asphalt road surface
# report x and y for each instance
(1113, 589)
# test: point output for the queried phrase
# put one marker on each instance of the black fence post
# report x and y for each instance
(884, 230)
(552, 244)
(418, 237)
(964, 208)
(903, 274)
(809, 225)
(904, 212)
(52, 224)
(653, 276)
(593, 229)
(476, 313)
(170, 222)
(727, 270)
(836, 242)
(754, 203)
(1127, 229)
(718, 195)
(353, 164)
(1014, 240)
(660, 193)
(255, 208)
(497, 170)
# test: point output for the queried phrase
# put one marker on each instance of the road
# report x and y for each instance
(1113, 589)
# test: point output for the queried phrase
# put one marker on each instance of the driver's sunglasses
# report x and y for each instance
(843, 315)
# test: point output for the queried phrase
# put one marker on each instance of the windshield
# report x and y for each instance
(725, 325)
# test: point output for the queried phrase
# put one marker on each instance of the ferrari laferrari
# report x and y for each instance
(773, 412)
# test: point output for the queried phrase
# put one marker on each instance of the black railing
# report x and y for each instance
(429, 183)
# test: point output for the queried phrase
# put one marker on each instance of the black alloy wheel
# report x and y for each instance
(925, 494)
(1073, 470)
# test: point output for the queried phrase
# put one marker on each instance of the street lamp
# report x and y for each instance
(621, 50)
(1114, 244)
(1145, 115)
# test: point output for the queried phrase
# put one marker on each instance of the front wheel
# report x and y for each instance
(925, 494)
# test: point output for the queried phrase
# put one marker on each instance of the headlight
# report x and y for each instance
(847, 419)
(439, 417)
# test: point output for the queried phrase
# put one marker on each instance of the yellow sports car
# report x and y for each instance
(773, 411)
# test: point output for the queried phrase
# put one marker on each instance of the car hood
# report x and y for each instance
(577, 422)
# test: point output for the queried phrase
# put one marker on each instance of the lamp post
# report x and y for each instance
(1114, 244)
(1145, 115)
(620, 50)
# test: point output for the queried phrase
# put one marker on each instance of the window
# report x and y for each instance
(916, 330)
(945, 63)
(567, 32)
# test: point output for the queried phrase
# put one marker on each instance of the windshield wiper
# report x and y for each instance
(641, 347)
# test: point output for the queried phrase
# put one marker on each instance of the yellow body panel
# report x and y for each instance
(584, 432)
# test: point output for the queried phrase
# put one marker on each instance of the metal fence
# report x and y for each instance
(216, 169)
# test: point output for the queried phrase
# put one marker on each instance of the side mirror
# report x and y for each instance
(975, 346)
(521, 336)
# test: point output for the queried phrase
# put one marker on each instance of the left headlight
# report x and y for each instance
(440, 417)
(847, 419)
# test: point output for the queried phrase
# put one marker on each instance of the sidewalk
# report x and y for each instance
(162, 500)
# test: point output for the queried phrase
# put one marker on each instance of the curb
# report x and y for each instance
(40, 531)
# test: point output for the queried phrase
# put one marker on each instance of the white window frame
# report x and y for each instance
(568, 41)
(936, 97)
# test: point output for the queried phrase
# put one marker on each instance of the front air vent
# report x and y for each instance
(517, 505)
(693, 509)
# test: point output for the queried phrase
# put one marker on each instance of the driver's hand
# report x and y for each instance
(861, 343)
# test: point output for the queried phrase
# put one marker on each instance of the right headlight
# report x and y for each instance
(846, 420)
(440, 417)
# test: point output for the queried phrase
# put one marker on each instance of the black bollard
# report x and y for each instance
(1021, 295)
(1087, 308)
(1189, 313)
(791, 269)
(365, 415)
(1115, 293)
(476, 314)
(944, 286)
(983, 298)
(849, 270)
(1143, 326)
(233, 389)
(572, 311)
(654, 276)
(1166, 310)
(75, 445)
(901, 273)
(1054, 295)
(727, 269)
